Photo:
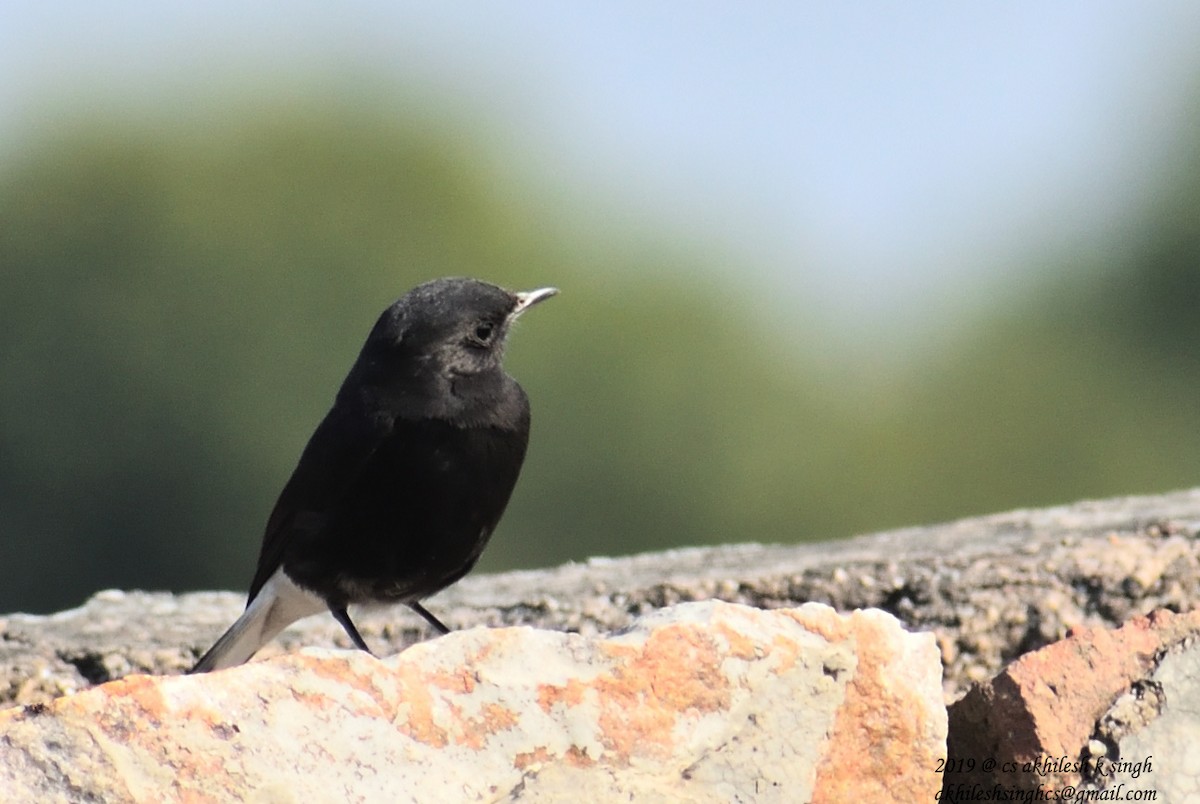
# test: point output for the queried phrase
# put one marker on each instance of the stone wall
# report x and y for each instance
(608, 686)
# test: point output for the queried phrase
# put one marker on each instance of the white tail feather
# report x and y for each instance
(276, 606)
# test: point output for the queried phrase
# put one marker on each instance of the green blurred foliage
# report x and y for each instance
(178, 304)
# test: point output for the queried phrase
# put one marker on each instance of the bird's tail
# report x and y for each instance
(277, 605)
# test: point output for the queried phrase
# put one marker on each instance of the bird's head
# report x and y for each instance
(445, 331)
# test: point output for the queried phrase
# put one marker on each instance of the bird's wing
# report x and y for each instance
(339, 448)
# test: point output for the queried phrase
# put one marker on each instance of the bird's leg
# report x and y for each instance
(342, 617)
(429, 618)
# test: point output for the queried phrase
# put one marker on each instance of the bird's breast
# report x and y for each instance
(425, 505)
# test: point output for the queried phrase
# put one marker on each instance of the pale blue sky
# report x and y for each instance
(893, 158)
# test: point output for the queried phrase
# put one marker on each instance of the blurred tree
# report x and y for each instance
(1088, 384)
(179, 303)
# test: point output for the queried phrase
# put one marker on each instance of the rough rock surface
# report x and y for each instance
(990, 588)
(699, 702)
(1085, 711)
(1150, 734)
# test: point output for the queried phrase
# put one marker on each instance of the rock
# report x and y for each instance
(1101, 696)
(1086, 711)
(1150, 732)
(699, 702)
(1094, 563)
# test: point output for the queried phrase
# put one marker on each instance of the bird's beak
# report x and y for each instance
(528, 298)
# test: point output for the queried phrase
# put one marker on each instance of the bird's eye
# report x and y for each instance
(483, 331)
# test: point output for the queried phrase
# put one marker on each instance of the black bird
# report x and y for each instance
(402, 484)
